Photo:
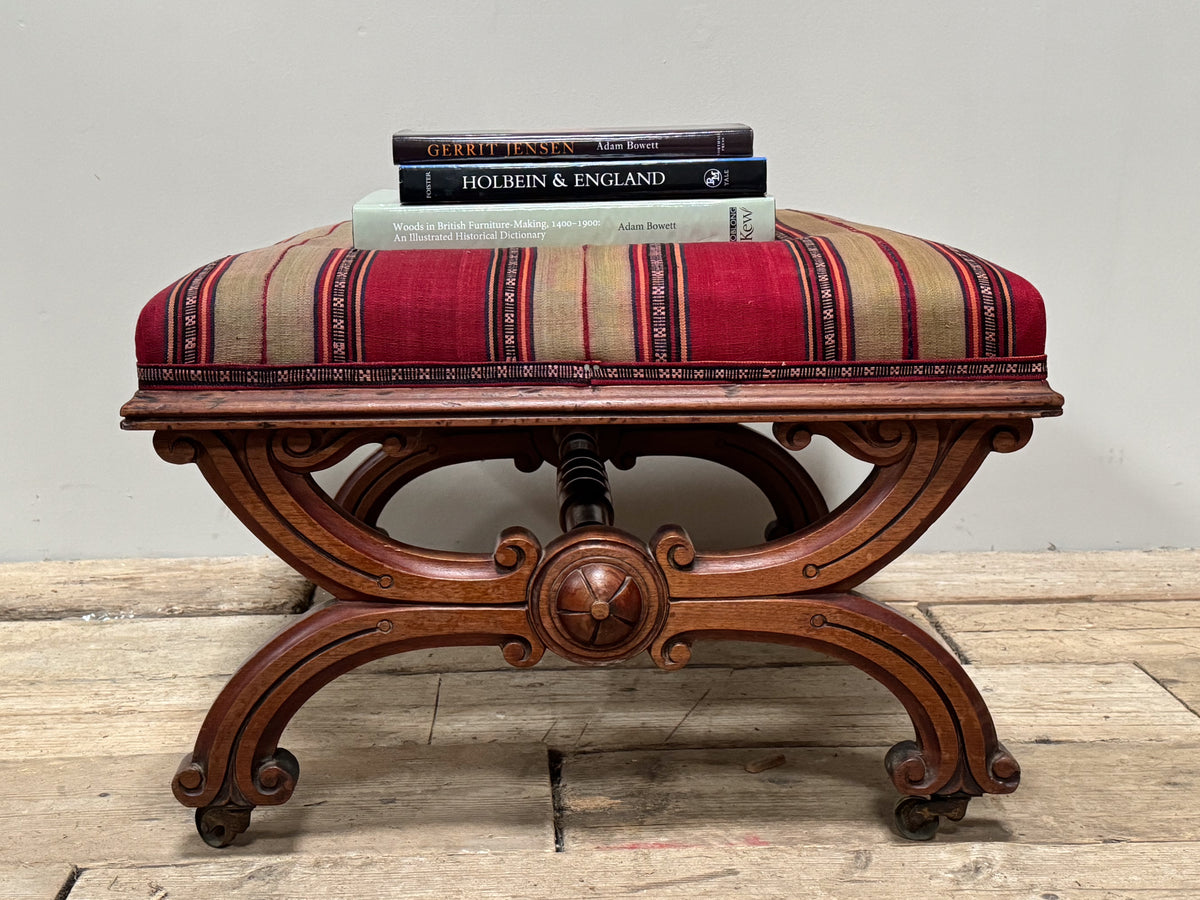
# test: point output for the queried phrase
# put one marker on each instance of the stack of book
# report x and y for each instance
(547, 189)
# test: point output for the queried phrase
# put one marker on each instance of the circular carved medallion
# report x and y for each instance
(598, 597)
(599, 604)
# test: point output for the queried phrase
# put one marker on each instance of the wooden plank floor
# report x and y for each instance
(756, 771)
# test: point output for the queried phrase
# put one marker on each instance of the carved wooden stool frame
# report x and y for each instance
(595, 594)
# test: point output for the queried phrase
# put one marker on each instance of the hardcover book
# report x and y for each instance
(583, 180)
(381, 222)
(617, 143)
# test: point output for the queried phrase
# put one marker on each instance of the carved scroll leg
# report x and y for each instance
(237, 763)
(919, 468)
(265, 478)
(795, 498)
(955, 755)
(372, 485)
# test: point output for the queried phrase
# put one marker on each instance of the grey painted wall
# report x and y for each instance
(1060, 139)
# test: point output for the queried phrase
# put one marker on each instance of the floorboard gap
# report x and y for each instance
(555, 759)
(69, 885)
(1162, 684)
(929, 613)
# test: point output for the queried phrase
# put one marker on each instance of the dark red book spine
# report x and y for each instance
(628, 143)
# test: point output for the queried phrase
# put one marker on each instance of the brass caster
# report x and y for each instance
(219, 825)
(917, 818)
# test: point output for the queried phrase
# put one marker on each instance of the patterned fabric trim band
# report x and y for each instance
(157, 377)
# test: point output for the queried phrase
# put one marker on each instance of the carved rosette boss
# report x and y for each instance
(598, 598)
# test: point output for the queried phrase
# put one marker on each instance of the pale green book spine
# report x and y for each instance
(382, 223)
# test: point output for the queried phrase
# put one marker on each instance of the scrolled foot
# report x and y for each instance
(276, 776)
(918, 818)
(906, 764)
(219, 825)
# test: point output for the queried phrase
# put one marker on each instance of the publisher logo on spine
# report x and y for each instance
(713, 178)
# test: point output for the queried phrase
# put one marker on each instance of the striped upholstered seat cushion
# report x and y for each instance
(828, 300)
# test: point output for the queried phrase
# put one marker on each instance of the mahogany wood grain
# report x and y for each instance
(602, 404)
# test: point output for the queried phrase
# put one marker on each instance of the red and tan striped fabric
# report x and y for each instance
(828, 300)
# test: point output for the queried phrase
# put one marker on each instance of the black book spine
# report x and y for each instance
(572, 181)
(678, 143)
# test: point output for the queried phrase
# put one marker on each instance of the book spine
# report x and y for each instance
(392, 226)
(590, 180)
(432, 148)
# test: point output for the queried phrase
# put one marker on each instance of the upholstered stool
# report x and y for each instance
(265, 367)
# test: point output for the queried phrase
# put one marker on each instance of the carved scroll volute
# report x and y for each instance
(880, 443)
(920, 465)
(179, 448)
(673, 548)
(887, 441)
(310, 450)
